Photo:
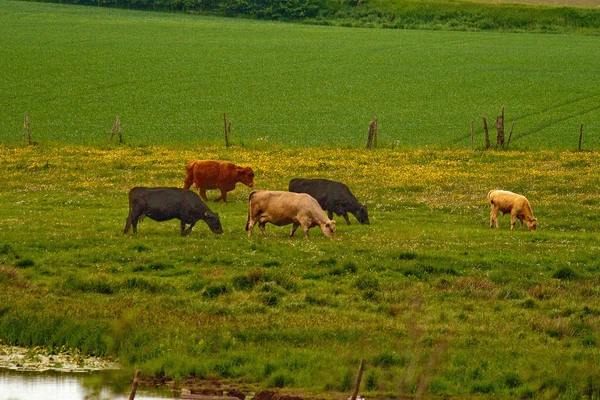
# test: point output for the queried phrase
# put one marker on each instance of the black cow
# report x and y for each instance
(333, 197)
(165, 203)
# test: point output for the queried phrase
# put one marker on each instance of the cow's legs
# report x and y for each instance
(188, 230)
(132, 221)
(250, 226)
(513, 221)
(294, 227)
(493, 217)
(223, 196)
(305, 229)
(261, 225)
(346, 218)
(203, 194)
(127, 224)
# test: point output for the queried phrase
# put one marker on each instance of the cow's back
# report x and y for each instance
(208, 173)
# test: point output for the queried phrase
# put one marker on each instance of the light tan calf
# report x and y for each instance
(515, 204)
(283, 208)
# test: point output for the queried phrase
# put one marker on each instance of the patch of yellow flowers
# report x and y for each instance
(431, 176)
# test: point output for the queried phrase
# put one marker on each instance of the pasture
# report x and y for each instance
(437, 302)
(171, 77)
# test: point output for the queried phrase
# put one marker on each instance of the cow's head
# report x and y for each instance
(246, 176)
(329, 228)
(362, 216)
(531, 224)
(213, 221)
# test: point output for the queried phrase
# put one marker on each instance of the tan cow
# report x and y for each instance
(515, 204)
(213, 174)
(283, 208)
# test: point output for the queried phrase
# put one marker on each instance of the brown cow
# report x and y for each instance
(283, 208)
(212, 174)
(515, 204)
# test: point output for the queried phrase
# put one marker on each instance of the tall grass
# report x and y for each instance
(437, 302)
(170, 78)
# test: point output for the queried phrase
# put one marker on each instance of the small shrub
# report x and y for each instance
(512, 380)
(141, 284)
(270, 299)
(242, 282)
(215, 290)
(405, 256)
(196, 286)
(350, 267)
(328, 262)
(371, 381)
(510, 293)
(346, 382)
(483, 387)
(25, 263)
(565, 273)
(160, 266)
(268, 264)
(365, 282)
(280, 381)
(528, 303)
(140, 248)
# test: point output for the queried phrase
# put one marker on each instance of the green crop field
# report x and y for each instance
(171, 77)
(439, 304)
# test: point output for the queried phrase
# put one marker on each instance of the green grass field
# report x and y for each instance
(170, 78)
(438, 303)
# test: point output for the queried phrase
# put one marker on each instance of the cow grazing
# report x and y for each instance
(283, 208)
(333, 197)
(515, 204)
(211, 174)
(162, 204)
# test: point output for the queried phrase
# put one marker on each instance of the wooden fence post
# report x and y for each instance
(580, 134)
(500, 129)
(487, 135)
(372, 139)
(358, 379)
(510, 134)
(136, 380)
(116, 129)
(26, 130)
(227, 129)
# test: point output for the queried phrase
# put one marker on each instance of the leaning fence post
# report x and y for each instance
(358, 379)
(136, 380)
(510, 134)
(116, 129)
(580, 134)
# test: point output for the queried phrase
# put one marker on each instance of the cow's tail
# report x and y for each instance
(249, 198)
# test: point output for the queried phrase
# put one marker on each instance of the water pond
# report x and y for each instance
(18, 385)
